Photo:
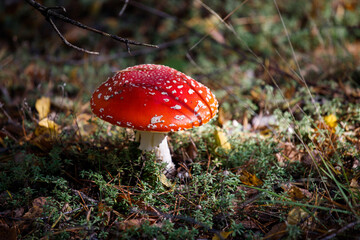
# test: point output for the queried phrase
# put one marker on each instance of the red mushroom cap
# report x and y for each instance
(154, 98)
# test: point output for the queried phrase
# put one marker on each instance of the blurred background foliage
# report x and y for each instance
(247, 51)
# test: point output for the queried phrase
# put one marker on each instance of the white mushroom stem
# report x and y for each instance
(156, 141)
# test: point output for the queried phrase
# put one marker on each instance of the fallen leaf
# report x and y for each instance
(221, 139)
(42, 106)
(191, 150)
(37, 208)
(86, 128)
(223, 235)
(295, 192)
(249, 179)
(164, 180)
(45, 134)
(222, 116)
(331, 121)
(289, 153)
(132, 223)
(47, 126)
(296, 216)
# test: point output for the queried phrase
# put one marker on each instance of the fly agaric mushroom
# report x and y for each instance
(154, 100)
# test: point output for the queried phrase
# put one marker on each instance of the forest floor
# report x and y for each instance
(280, 161)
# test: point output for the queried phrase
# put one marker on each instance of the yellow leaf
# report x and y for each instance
(224, 235)
(45, 134)
(42, 105)
(164, 180)
(331, 120)
(48, 126)
(221, 139)
(296, 215)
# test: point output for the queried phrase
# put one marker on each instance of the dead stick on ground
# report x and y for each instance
(84, 196)
(51, 13)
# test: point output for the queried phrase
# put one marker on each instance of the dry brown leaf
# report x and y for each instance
(222, 116)
(191, 150)
(295, 192)
(249, 179)
(288, 153)
(37, 208)
(132, 223)
(42, 106)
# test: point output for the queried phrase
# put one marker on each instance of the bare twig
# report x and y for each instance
(350, 225)
(123, 8)
(52, 12)
(84, 196)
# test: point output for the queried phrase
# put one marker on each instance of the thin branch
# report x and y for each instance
(123, 8)
(51, 12)
(350, 225)
(84, 196)
(67, 42)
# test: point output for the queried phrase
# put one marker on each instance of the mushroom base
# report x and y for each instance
(156, 141)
